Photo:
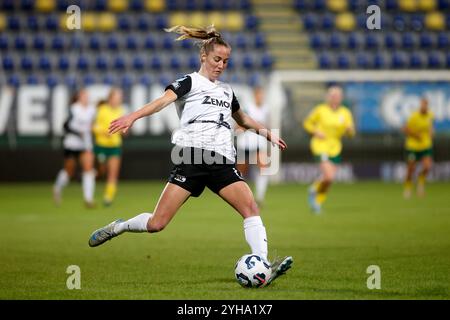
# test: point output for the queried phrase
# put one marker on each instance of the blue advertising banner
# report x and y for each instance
(384, 107)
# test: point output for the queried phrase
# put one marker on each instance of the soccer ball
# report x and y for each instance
(252, 271)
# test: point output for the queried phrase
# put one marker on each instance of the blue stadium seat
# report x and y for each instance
(95, 42)
(101, 63)
(266, 61)
(8, 63)
(310, 21)
(391, 5)
(448, 60)
(209, 5)
(83, 63)
(317, 41)
(320, 5)
(443, 40)
(301, 5)
(150, 42)
(231, 63)
(194, 63)
(33, 23)
(361, 21)
(26, 63)
(124, 22)
(186, 44)
(254, 79)
(327, 22)
(354, 41)
(112, 42)
(126, 81)
(52, 22)
(39, 42)
(408, 40)
(190, 5)
(27, 5)
(13, 23)
(100, 5)
(325, 60)
(248, 62)
(165, 80)
(172, 5)
(167, 42)
(131, 42)
(7, 5)
(119, 63)
(156, 63)
(62, 5)
(14, 80)
(138, 63)
(32, 79)
(4, 42)
(175, 62)
(260, 41)
(58, 42)
(20, 43)
(51, 80)
(343, 61)
(379, 61)
(390, 40)
(435, 60)
(398, 60)
(363, 60)
(143, 23)
(426, 40)
(70, 81)
(416, 60)
(251, 22)
(417, 22)
(136, 5)
(443, 4)
(372, 41)
(241, 41)
(109, 79)
(161, 22)
(44, 63)
(335, 40)
(89, 79)
(245, 5)
(63, 63)
(400, 22)
(145, 80)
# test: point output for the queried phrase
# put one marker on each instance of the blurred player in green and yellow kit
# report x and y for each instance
(327, 123)
(419, 147)
(108, 148)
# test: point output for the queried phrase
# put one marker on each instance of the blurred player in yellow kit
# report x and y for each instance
(419, 147)
(107, 147)
(328, 122)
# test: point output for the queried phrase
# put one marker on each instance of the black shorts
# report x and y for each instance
(194, 177)
(72, 153)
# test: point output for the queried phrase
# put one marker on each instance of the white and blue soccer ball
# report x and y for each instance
(252, 271)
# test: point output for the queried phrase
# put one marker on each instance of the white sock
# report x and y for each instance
(136, 224)
(88, 181)
(261, 182)
(62, 180)
(255, 234)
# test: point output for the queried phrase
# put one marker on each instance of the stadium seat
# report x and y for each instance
(20, 43)
(88, 22)
(362, 61)
(245, 5)
(335, 40)
(416, 60)
(13, 23)
(409, 40)
(379, 61)
(100, 5)
(443, 4)
(83, 63)
(391, 40)
(89, 79)
(266, 61)
(26, 63)
(156, 63)
(112, 42)
(58, 43)
(158, 5)
(343, 61)
(126, 81)
(354, 40)
(435, 60)
(101, 63)
(231, 63)
(400, 22)
(301, 5)
(145, 80)
(131, 42)
(14, 80)
(8, 63)
(435, 21)
(161, 22)
(175, 62)
(426, 40)
(32, 79)
(4, 42)
(186, 44)
(39, 42)
(254, 79)
(95, 42)
(138, 63)
(345, 21)
(51, 80)
(427, 5)
(241, 41)
(52, 22)
(194, 62)
(136, 5)
(310, 21)
(44, 63)
(251, 22)
(317, 40)
(319, 5)
(149, 42)
(337, 5)
(417, 22)
(106, 22)
(124, 22)
(117, 5)
(260, 41)
(325, 61)
(109, 79)
(398, 60)
(327, 21)
(119, 63)
(7, 5)
(407, 5)
(443, 40)
(248, 62)
(33, 23)
(391, 5)
(167, 42)
(61, 5)
(143, 23)
(70, 81)
(63, 63)
(26, 5)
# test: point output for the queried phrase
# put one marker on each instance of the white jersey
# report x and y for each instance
(78, 128)
(205, 109)
(250, 140)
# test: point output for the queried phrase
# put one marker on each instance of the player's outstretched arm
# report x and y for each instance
(124, 123)
(246, 122)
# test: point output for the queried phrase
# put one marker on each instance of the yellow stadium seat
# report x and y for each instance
(117, 5)
(2, 22)
(337, 5)
(107, 22)
(198, 19)
(234, 21)
(408, 5)
(345, 21)
(45, 5)
(178, 19)
(427, 5)
(435, 21)
(217, 19)
(155, 5)
(88, 22)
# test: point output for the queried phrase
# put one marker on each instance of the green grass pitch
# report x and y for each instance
(362, 224)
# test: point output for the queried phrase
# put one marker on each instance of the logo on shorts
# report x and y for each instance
(180, 178)
(238, 173)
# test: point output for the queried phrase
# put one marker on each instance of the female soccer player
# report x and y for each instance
(108, 146)
(204, 142)
(255, 146)
(419, 147)
(77, 143)
(327, 123)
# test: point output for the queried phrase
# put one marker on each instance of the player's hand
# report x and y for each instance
(278, 141)
(319, 134)
(121, 124)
